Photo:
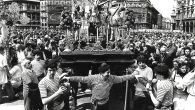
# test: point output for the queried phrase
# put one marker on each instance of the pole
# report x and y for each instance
(97, 34)
(126, 93)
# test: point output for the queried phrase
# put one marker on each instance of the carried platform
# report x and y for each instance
(97, 57)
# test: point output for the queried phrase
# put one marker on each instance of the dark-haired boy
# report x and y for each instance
(54, 95)
(101, 85)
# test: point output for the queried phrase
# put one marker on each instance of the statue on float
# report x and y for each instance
(66, 20)
(129, 20)
(115, 19)
(95, 17)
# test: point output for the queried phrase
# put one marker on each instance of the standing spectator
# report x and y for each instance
(5, 76)
(31, 93)
(180, 95)
(141, 98)
(165, 57)
(38, 65)
(163, 98)
(189, 82)
(54, 96)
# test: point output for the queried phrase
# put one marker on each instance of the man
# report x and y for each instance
(31, 93)
(141, 95)
(54, 95)
(5, 76)
(38, 65)
(163, 98)
(101, 85)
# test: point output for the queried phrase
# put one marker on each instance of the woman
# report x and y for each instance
(180, 95)
(163, 98)
(189, 82)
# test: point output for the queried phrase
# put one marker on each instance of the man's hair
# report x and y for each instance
(163, 70)
(104, 67)
(142, 59)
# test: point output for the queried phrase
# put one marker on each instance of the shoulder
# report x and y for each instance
(165, 84)
(149, 69)
(43, 81)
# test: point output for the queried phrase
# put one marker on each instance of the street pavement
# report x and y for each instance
(83, 103)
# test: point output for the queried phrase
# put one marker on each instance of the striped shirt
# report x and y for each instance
(100, 87)
(47, 88)
(165, 93)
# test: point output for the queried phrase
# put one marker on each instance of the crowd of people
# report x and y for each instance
(163, 74)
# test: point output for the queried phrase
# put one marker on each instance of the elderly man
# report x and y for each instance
(31, 93)
(101, 85)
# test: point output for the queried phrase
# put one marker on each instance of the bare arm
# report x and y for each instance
(60, 91)
(154, 100)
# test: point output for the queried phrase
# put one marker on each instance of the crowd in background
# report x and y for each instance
(176, 50)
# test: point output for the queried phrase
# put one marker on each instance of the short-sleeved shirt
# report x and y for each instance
(47, 88)
(3, 73)
(146, 73)
(165, 92)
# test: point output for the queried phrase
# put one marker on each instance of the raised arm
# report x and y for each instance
(120, 79)
(83, 79)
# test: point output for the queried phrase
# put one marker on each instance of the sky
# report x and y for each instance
(165, 7)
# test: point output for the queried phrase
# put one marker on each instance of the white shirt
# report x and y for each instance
(3, 74)
(146, 73)
(189, 82)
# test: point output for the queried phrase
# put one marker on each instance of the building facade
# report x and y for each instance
(146, 16)
(184, 16)
(50, 12)
(29, 8)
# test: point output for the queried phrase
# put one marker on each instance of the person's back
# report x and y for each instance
(165, 92)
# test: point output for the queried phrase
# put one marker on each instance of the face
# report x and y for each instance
(163, 49)
(187, 52)
(106, 74)
(28, 65)
(142, 65)
(175, 64)
(51, 72)
(183, 69)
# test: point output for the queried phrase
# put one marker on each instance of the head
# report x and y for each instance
(26, 64)
(141, 61)
(187, 51)
(51, 67)
(162, 71)
(183, 69)
(104, 70)
(163, 49)
(175, 64)
(38, 55)
(190, 45)
(169, 43)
